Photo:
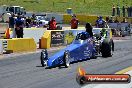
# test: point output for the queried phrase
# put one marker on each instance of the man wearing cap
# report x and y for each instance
(74, 22)
(19, 26)
(101, 22)
(52, 24)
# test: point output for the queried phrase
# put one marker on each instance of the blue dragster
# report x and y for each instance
(81, 48)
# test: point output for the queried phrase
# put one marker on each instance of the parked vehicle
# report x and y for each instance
(6, 11)
(41, 20)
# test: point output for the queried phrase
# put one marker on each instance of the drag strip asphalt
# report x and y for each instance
(25, 71)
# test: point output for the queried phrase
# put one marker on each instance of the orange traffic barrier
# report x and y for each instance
(7, 33)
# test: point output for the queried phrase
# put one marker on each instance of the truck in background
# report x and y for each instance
(5, 12)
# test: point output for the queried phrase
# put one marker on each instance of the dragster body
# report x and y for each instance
(81, 48)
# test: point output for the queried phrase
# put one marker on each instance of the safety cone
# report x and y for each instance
(7, 33)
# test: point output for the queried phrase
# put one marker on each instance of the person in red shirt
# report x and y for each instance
(52, 24)
(74, 22)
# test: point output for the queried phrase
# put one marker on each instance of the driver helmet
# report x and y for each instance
(103, 30)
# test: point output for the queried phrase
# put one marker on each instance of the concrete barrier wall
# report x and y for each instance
(66, 19)
(45, 40)
(68, 36)
(69, 28)
(35, 33)
(19, 45)
(49, 38)
(120, 19)
(118, 25)
(88, 18)
(82, 19)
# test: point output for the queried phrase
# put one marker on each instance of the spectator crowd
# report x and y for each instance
(18, 22)
(126, 11)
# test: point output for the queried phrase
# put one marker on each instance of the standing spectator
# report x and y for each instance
(124, 20)
(74, 22)
(131, 11)
(123, 11)
(113, 10)
(118, 11)
(128, 11)
(11, 21)
(52, 24)
(89, 29)
(107, 19)
(110, 20)
(11, 25)
(126, 7)
(28, 22)
(101, 22)
(33, 18)
(19, 27)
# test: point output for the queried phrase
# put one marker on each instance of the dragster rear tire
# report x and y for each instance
(106, 49)
(42, 59)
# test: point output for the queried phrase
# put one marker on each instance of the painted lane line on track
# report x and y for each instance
(124, 70)
(39, 78)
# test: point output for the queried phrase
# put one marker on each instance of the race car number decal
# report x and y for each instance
(87, 52)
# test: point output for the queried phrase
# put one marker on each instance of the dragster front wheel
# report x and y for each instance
(44, 57)
(66, 59)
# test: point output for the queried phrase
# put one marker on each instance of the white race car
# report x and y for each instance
(41, 20)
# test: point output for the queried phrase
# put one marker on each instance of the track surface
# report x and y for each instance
(25, 71)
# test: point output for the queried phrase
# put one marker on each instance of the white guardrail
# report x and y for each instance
(118, 25)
